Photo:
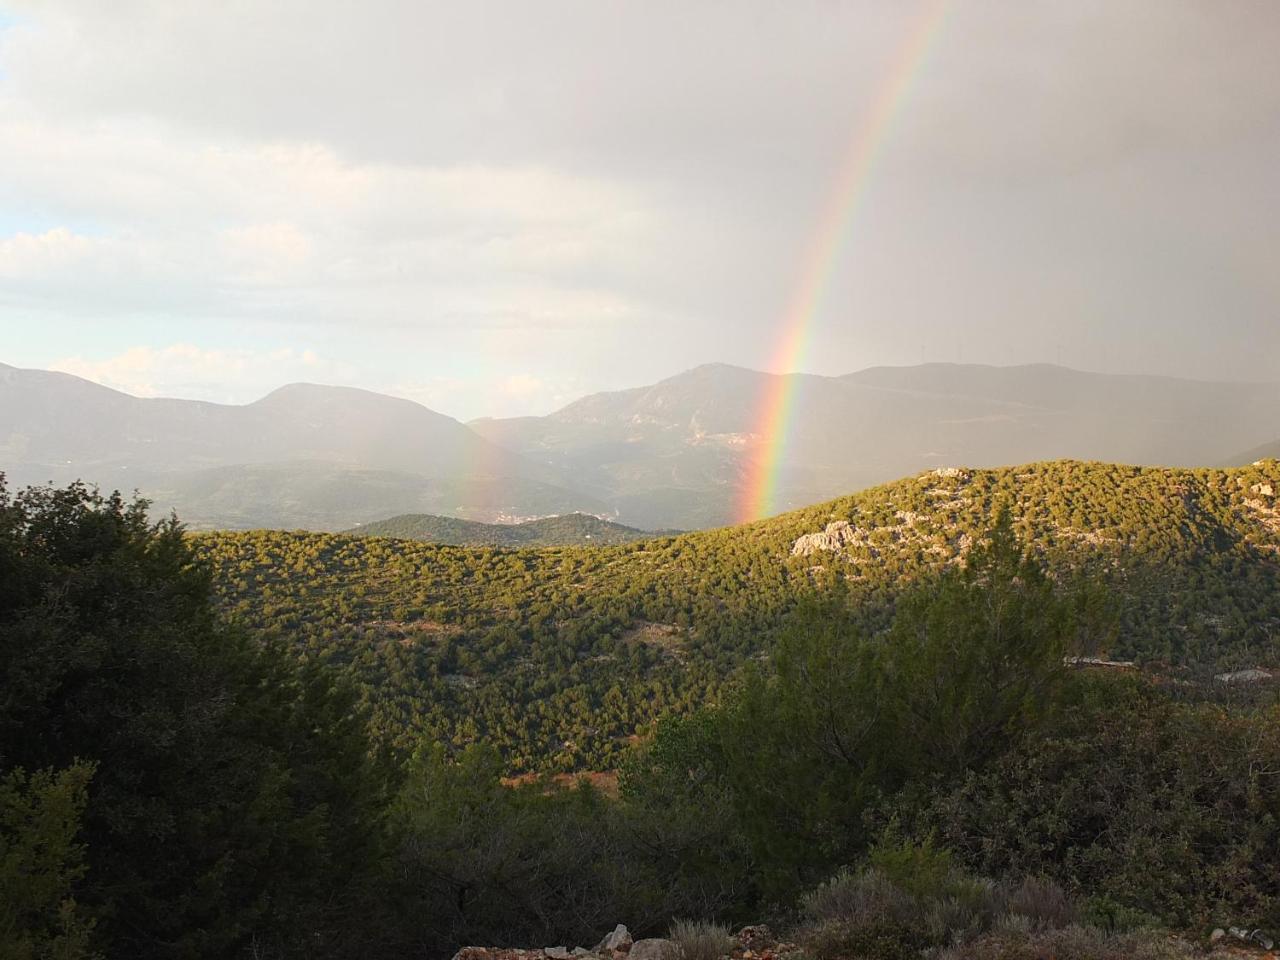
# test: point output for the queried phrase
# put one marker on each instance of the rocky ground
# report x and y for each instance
(750, 943)
(758, 942)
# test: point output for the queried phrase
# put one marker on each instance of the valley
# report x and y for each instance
(571, 529)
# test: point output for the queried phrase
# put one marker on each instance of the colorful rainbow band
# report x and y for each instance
(773, 420)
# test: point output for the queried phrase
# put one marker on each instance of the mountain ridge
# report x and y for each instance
(673, 454)
(58, 427)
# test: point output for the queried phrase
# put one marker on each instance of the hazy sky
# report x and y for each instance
(496, 207)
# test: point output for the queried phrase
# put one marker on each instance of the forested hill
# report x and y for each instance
(563, 531)
(558, 655)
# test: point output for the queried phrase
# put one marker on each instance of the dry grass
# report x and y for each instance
(700, 940)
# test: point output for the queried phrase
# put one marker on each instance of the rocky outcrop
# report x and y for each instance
(619, 941)
(837, 535)
(1245, 676)
(861, 545)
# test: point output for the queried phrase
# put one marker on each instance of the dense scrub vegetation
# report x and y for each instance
(929, 776)
(557, 657)
(209, 789)
(563, 531)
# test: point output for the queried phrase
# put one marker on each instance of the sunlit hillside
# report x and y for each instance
(558, 656)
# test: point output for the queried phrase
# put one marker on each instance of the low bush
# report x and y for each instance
(884, 940)
(1150, 809)
(699, 940)
(911, 896)
(1040, 903)
(1074, 942)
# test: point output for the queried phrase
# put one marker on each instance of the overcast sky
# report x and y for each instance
(496, 207)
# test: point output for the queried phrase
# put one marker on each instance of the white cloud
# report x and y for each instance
(185, 370)
(292, 230)
(267, 252)
(28, 256)
(523, 385)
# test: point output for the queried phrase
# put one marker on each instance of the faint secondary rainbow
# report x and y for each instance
(773, 418)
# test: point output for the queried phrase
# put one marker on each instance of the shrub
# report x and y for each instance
(921, 869)
(1158, 810)
(858, 896)
(1040, 902)
(843, 718)
(40, 861)
(867, 913)
(1074, 942)
(1107, 914)
(233, 797)
(700, 940)
(883, 940)
(912, 896)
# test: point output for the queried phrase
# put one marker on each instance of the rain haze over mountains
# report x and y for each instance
(671, 455)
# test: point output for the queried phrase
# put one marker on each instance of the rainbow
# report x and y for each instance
(773, 417)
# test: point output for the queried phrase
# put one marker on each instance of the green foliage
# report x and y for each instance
(1150, 806)
(973, 658)
(912, 897)
(233, 801)
(556, 657)
(921, 869)
(901, 705)
(477, 861)
(881, 939)
(40, 863)
(843, 719)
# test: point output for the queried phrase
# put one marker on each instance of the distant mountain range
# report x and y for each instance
(671, 455)
(1266, 451)
(677, 452)
(574, 529)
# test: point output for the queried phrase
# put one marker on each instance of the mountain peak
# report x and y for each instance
(319, 396)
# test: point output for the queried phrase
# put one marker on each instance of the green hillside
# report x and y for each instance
(557, 656)
(563, 531)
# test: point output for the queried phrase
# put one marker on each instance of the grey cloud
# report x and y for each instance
(1088, 181)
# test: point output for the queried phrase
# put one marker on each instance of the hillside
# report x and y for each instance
(557, 656)
(568, 530)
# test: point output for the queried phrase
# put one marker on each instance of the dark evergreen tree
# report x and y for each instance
(233, 802)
